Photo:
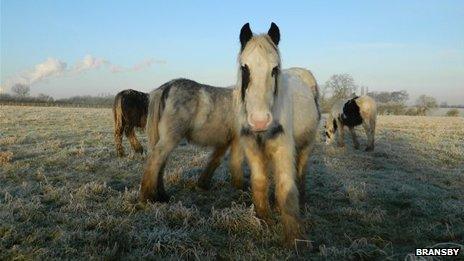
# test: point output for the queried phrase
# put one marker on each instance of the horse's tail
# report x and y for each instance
(117, 113)
(154, 116)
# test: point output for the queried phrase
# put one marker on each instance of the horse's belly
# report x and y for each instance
(210, 135)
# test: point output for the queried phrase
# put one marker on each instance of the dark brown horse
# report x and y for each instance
(130, 110)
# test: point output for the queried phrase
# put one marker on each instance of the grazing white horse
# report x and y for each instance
(351, 113)
(277, 118)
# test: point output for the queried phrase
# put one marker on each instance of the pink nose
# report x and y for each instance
(260, 122)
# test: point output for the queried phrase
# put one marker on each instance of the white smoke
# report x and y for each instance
(137, 67)
(89, 62)
(53, 67)
(50, 68)
(142, 65)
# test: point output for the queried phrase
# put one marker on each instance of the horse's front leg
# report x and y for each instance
(259, 179)
(235, 164)
(281, 151)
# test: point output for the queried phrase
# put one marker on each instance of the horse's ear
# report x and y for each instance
(245, 34)
(274, 33)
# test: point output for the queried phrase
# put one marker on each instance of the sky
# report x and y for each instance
(65, 48)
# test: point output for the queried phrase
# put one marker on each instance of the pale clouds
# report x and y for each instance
(53, 67)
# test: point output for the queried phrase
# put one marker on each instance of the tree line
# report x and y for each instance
(21, 96)
(338, 86)
(343, 86)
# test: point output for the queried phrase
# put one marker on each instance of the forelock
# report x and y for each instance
(262, 44)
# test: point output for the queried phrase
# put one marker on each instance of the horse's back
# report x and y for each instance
(305, 110)
(201, 112)
(307, 77)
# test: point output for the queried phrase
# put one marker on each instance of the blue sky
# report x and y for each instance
(66, 48)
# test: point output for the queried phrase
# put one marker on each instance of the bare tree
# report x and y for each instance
(44, 97)
(400, 97)
(21, 90)
(425, 103)
(341, 85)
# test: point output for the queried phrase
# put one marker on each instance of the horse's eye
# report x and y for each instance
(326, 134)
(275, 71)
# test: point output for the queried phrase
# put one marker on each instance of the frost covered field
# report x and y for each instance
(64, 193)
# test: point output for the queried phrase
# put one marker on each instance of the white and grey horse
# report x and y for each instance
(351, 113)
(277, 117)
(200, 113)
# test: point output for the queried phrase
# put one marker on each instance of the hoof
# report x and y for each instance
(204, 185)
(341, 145)
(369, 148)
(292, 231)
(302, 203)
(268, 220)
(139, 150)
(291, 238)
(302, 198)
(204, 181)
(158, 197)
(162, 197)
(356, 147)
(238, 185)
(120, 154)
(266, 217)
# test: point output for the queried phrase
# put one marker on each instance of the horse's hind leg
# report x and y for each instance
(354, 138)
(370, 130)
(302, 162)
(341, 136)
(204, 181)
(118, 132)
(130, 134)
(152, 187)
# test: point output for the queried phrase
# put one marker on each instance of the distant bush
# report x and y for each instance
(391, 108)
(326, 104)
(412, 111)
(452, 113)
